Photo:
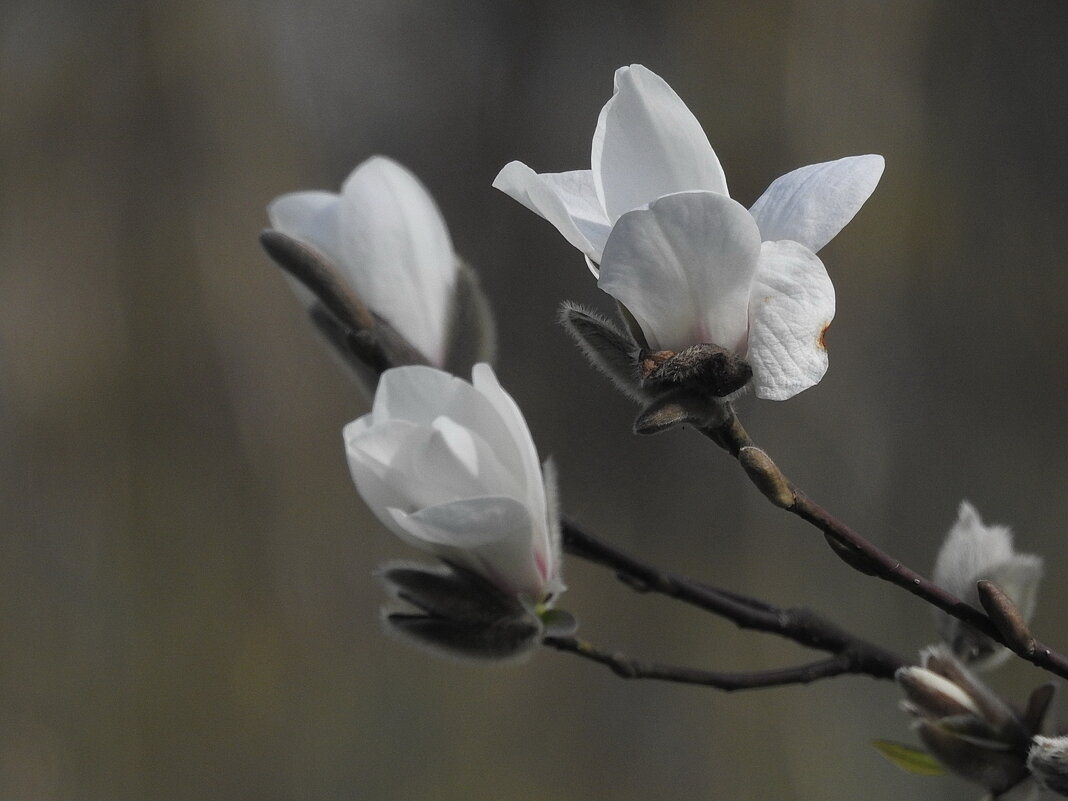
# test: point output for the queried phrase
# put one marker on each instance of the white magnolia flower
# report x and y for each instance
(648, 144)
(450, 468)
(692, 269)
(972, 552)
(389, 240)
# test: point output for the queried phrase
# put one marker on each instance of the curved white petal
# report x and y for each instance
(969, 551)
(566, 199)
(310, 217)
(490, 536)
(522, 444)
(812, 204)
(648, 144)
(792, 305)
(397, 253)
(370, 454)
(487, 466)
(683, 268)
(418, 394)
(422, 394)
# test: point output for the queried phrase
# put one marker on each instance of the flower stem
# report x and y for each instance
(629, 668)
(858, 552)
(798, 624)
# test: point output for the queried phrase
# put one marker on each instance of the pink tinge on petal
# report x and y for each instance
(542, 564)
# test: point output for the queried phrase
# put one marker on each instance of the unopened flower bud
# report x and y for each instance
(973, 552)
(963, 723)
(376, 266)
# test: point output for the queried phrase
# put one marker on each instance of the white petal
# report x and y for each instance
(648, 144)
(790, 309)
(371, 453)
(493, 474)
(969, 551)
(397, 252)
(683, 268)
(427, 467)
(490, 536)
(566, 199)
(310, 217)
(422, 394)
(418, 394)
(522, 444)
(812, 204)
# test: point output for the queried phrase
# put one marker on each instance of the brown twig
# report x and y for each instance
(798, 624)
(628, 668)
(861, 554)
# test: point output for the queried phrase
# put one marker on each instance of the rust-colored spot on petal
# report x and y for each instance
(821, 340)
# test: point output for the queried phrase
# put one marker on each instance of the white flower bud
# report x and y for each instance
(450, 468)
(383, 245)
(972, 552)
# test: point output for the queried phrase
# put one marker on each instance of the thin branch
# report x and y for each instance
(797, 624)
(628, 668)
(858, 552)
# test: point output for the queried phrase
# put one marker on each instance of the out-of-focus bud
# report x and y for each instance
(965, 725)
(973, 552)
(376, 266)
(1048, 761)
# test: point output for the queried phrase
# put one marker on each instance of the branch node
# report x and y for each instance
(767, 476)
(1006, 617)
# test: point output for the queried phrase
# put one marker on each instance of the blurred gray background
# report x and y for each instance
(186, 602)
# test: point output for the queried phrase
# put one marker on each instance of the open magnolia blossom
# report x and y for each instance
(648, 144)
(691, 269)
(389, 241)
(450, 468)
(973, 552)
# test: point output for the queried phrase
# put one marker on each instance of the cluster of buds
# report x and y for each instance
(966, 726)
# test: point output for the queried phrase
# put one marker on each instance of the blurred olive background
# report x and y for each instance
(186, 602)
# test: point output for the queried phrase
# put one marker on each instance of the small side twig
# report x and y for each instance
(629, 668)
(798, 624)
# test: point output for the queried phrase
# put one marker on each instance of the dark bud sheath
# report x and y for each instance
(677, 407)
(707, 369)
(318, 274)
(457, 613)
(472, 332)
(609, 350)
(365, 342)
(688, 387)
